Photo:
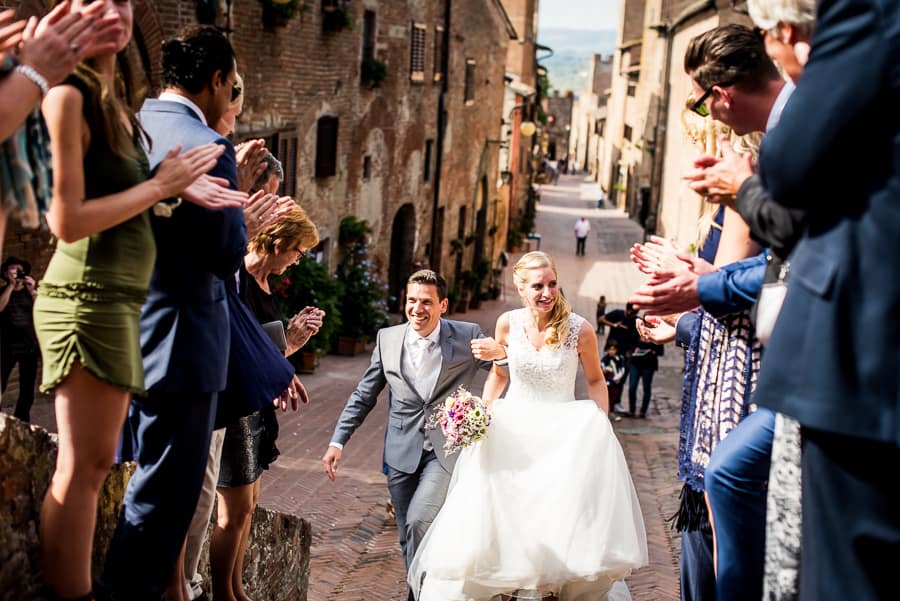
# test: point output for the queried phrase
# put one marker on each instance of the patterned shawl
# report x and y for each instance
(721, 368)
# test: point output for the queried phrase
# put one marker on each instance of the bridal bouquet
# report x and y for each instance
(463, 419)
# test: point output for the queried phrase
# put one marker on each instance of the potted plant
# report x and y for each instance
(309, 283)
(336, 15)
(278, 12)
(363, 300)
(495, 288)
(479, 275)
(372, 72)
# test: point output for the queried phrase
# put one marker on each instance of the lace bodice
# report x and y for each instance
(546, 375)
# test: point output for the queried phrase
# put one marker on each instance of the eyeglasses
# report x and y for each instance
(236, 92)
(699, 106)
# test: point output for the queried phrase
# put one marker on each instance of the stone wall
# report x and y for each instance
(277, 564)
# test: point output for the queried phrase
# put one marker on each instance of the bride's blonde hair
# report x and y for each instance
(558, 325)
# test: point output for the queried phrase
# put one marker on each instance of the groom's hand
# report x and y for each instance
(330, 461)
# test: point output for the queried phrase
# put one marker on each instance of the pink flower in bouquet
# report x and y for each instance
(463, 419)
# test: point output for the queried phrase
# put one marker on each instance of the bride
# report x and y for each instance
(544, 505)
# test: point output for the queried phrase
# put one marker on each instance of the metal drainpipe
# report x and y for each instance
(436, 253)
(659, 142)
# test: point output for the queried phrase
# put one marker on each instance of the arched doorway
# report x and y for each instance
(403, 239)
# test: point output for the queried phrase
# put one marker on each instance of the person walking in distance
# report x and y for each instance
(582, 229)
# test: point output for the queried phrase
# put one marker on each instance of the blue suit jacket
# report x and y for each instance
(833, 358)
(185, 336)
(732, 288)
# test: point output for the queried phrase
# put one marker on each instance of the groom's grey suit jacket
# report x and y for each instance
(406, 433)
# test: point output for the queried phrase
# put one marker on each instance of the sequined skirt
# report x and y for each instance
(249, 448)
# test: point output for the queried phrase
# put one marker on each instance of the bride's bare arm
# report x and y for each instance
(590, 362)
(498, 376)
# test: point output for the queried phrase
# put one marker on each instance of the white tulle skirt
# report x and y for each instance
(544, 504)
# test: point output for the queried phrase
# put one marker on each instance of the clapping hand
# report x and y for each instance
(54, 44)
(659, 254)
(10, 30)
(293, 395)
(303, 326)
(264, 209)
(719, 180)
(488, 349)
(179, 170)
(214, 193)
(654, 329)
(250, 162)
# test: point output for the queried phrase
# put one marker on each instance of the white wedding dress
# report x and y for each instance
(544, 503)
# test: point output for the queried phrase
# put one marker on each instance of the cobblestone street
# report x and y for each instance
(355, 554)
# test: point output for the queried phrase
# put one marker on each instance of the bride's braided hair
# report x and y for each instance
(558, 325)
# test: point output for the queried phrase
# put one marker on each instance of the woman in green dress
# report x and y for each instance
(89, 302)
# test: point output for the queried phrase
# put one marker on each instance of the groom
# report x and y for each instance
(423, 362)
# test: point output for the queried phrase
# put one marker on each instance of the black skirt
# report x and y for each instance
(248, 448)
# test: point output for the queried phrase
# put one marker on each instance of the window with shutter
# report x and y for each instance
(469, 93)
(283, 145)
(428, 145)
(417, 53)
(287, 154)
(326, 146)
(438, 53)
(368, 49)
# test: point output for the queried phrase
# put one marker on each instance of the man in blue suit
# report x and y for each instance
(832, 361)
(184, 325)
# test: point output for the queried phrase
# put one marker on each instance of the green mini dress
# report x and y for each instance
(89, 302)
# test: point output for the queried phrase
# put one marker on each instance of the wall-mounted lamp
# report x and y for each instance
(527, 128)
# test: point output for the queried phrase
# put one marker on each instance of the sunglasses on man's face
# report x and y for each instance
(699, 107)
(235, 92)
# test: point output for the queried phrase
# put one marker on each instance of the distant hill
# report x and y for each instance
(572, 51)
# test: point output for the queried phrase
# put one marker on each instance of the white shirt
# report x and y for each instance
(173, 97)
(421, 362)
(582, 227)
(778, 107)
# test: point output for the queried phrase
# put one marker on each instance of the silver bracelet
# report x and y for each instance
(35, 77)
(501, 362)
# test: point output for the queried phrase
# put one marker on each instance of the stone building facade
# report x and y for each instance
(519, 130)
(645, 151)
(559, 124)
(411, 153)
(589, 118)
(305, 95)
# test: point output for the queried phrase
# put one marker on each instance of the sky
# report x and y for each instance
(578, 14)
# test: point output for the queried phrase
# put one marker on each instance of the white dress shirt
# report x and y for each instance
(421, 362)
